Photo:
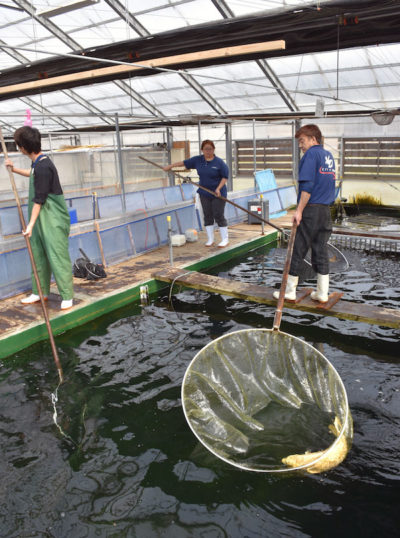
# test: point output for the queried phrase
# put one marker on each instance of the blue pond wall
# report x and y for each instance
(144, 227)
(107, 206)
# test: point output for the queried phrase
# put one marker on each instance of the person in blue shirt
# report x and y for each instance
(313, 217)
(213, 173)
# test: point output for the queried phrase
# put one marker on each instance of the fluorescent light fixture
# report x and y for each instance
(64, 8)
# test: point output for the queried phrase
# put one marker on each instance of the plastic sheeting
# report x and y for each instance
(256, 397)
(288, 196)
(265, 179)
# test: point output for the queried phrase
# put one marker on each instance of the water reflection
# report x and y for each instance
(371, 222)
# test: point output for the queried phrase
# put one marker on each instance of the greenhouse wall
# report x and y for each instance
(84, 170)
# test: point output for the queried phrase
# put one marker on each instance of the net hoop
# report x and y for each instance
(345, 423)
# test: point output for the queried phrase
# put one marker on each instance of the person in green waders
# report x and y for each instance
(49, 220)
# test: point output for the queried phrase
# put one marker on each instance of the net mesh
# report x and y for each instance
(266, 401)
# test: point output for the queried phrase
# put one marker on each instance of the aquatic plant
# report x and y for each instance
(366, 199)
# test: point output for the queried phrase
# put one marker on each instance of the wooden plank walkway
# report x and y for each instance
(254, 292)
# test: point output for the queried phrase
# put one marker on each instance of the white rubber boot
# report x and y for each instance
(322, 292)
(66, 303)
(210, 236)
(32, 298)
(291, 285)
(224, 237)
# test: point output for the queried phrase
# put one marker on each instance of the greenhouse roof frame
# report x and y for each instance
(342, 51)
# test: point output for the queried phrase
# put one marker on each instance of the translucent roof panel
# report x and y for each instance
(107, 98)
(170, 94)
(104, 34)
(196, 106)
(179, 15)
(85, 17)
(13, 112)
(241, 71)
(24, 33)
(95, 25)
(157, 83)
(357, 71)
(246, 7)
(262, 103)
(239, 88)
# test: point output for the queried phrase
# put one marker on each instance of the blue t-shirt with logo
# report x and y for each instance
(210, 173)
(317, 175)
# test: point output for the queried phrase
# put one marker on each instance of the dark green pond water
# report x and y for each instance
(126, 463)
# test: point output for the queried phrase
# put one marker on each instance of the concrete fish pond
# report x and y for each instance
(118, 458)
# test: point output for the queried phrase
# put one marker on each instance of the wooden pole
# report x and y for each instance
(281, 299)
(97, 228)
(221, 197)
(28, 244)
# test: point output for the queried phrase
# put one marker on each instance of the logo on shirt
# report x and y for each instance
(329, 167)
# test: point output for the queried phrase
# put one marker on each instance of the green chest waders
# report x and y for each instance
(50, 245)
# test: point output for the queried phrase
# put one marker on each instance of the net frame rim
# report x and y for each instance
(283, 469)
(338, 253)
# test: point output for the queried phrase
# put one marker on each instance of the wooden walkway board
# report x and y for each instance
(254, 292)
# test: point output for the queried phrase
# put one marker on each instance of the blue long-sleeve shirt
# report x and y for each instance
(317, 175)
(210, 173)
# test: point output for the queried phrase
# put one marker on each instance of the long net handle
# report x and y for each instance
(285, 274)
(220, 197)
(28, 244)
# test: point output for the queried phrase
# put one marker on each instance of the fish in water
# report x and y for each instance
(332, 456)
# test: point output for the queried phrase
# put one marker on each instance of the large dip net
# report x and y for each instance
(266, 401)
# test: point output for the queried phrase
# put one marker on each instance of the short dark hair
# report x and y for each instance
(310, 130)
(209, 142)
(28, 138)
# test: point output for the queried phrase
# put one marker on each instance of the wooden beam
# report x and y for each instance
(180, 59)
(365, 313)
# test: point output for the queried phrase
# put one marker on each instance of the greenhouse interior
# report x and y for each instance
(175, 394)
